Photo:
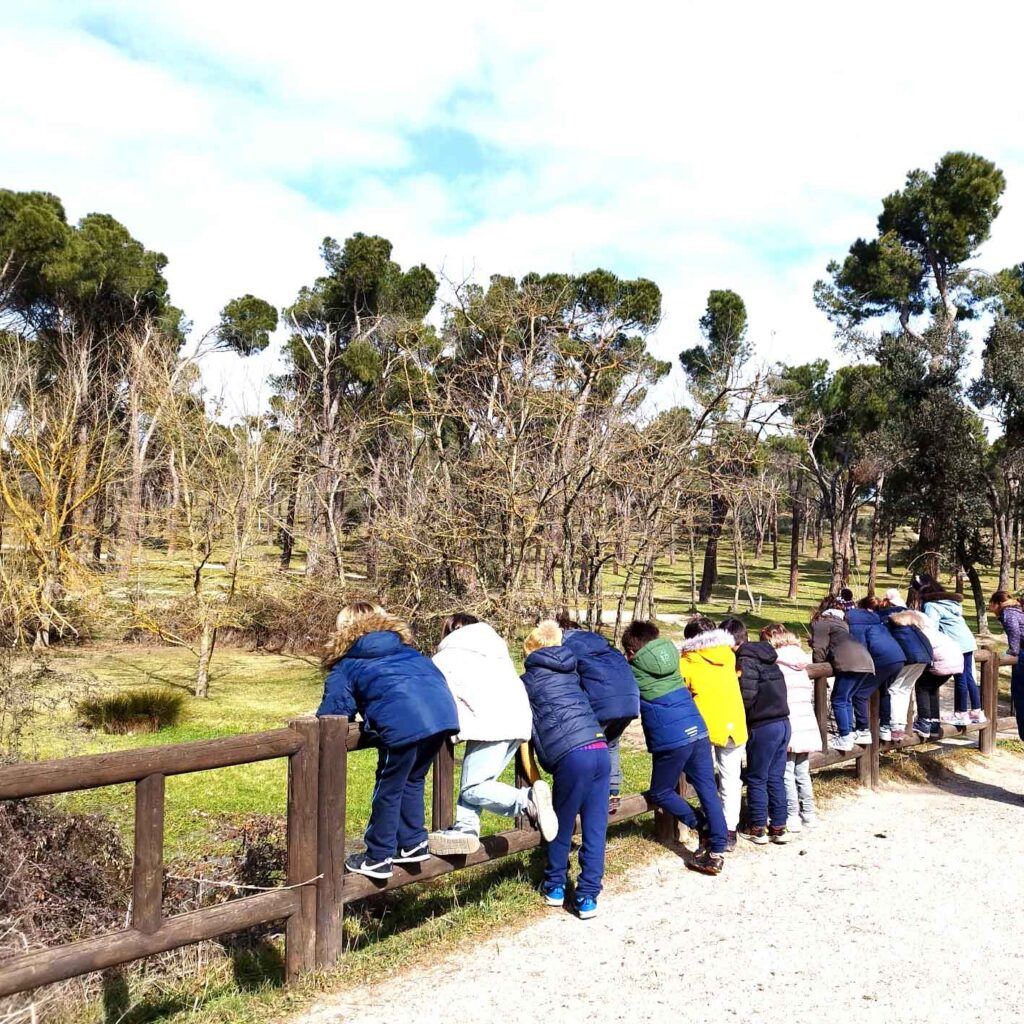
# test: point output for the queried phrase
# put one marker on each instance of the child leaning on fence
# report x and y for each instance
(1011, 617)
(571, 745)
(407, 711)
(494, 719)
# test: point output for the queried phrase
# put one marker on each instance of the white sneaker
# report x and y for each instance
(811, 823)
(844, 744)
(862, 737)
(885, 733)
(542, 810)
(979, 717)
(453, 842)
(961, 718)
(794, 824)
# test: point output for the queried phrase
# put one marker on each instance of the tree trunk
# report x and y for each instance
(207, 640)
(873, 559)
(929, 546)
(796, 531)
(99, 522)
(888, 552)
(287, 535)
(693, 571)
(709, 577)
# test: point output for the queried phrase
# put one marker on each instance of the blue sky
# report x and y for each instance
(704, 146)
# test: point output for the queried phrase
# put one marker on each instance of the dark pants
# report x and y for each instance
(965, 689)
(927, 691)
(843, 689)
(613, 728)
(694, 761)
(884, 675)
(1017, 693)
(580, 787)
(766, 773)
(396, 811)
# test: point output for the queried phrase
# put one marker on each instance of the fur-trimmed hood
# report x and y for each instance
(377, 622)
(927, 596)
(909, 617)
(704, 641)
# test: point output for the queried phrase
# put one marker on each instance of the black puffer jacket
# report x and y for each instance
(762, 683)
(831, 641)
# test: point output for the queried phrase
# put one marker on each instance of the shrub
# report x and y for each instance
(144, 710)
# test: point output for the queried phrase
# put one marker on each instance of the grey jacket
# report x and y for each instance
(831, 642)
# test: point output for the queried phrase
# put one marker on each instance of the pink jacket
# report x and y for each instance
(793, 661)
(947, 658)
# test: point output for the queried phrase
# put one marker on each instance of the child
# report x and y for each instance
(764, 697)
(947, 659)
(1011, 617)
(677, 739)
(571, 745)
(851, 664)
(494, 719)
(917, 656)
(867, 628)
(947, 612)
(708, 665)
(805, 737)
(407, 709)
(611, 688)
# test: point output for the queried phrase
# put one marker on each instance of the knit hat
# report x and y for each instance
(893, 596)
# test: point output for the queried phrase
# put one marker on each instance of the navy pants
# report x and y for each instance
(843, 690)
(580, 787)
(965, 689)
(695, 762)
(1017, 693)
(884, 675)
(766, 773)
(396, 811)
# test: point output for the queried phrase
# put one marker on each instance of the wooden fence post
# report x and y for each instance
(331, 812)
(522, 779)
(875, 755)
(148, 872)
(821, 710)
(442, 813)
(300, 933)
(989, 701)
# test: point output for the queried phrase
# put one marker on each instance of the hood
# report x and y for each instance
(659, 659)
(476, 638)
(554, 659)
(941, 597)
(909, 617)
(705, 641)
(895, 598)
(834, 613)
(760, 649)
(862, 617)
(583, 641)
(792, 656)
(343, 640)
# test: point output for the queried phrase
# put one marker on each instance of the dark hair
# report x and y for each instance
(457, 621)
(828, 602)
(999, 598)
(697, 625)
(639, 634)
(736, 627)
(870, 603)
(564, 622)
(846, 594)
(922, 581)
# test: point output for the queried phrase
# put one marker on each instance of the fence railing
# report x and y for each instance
(317, 889)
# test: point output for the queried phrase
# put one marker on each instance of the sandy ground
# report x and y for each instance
(904, 905)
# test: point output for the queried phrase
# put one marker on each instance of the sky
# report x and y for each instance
(738, 145)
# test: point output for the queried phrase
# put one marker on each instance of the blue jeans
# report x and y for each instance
(965, 688)
(1017, 693)
(580, 787)
(843, 690)
(396, 810)
(766, 773)
(884, 675)
(480, 789)
(694, 761)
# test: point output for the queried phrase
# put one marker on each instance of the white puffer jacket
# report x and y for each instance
(487, 689)
(947, 658)
(806, 737)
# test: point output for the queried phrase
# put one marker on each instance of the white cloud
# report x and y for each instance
(703, 146)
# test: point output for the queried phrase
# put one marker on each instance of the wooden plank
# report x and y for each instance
(67, 774)
(331, 811)
(442, 812)
(148, 871)
(45, 966)
(303, 765)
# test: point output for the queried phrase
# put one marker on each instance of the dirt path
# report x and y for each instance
(905, 905)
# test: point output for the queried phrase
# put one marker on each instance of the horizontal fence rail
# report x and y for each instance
(317, 889)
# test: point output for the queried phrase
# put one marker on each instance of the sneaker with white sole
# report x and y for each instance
(862, 737)
(541, 810)
(961, 719)
(361, 864)
(794, 824)
(554, 895)
(923, 728)
(586, 907)
(809, 822)
(453, 842)
(419, 853)
(844, 744)
(756, 834)
(979, 717)
(778, 834)
(884, 734)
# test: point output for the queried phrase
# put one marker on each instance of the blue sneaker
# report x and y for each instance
(554, 895)
(586, 907)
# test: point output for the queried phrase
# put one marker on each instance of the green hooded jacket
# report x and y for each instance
(656, 668)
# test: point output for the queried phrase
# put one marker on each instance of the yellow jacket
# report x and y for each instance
(708, 665)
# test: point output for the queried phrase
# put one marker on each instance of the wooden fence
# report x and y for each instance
(317, 889)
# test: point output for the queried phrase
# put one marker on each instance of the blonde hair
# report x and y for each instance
(545, 634)
(358, 618)
(352, 612)
(779, 636)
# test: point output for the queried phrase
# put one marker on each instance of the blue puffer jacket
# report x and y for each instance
(668, 712)
(914, 644)
(401, 695)
(868, 629)
(562, 716)
(605, 675)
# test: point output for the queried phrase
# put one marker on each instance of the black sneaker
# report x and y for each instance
(706, 862)
(419, 853)
(360, 864)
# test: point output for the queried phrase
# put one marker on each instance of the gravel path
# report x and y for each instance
(904, 905)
